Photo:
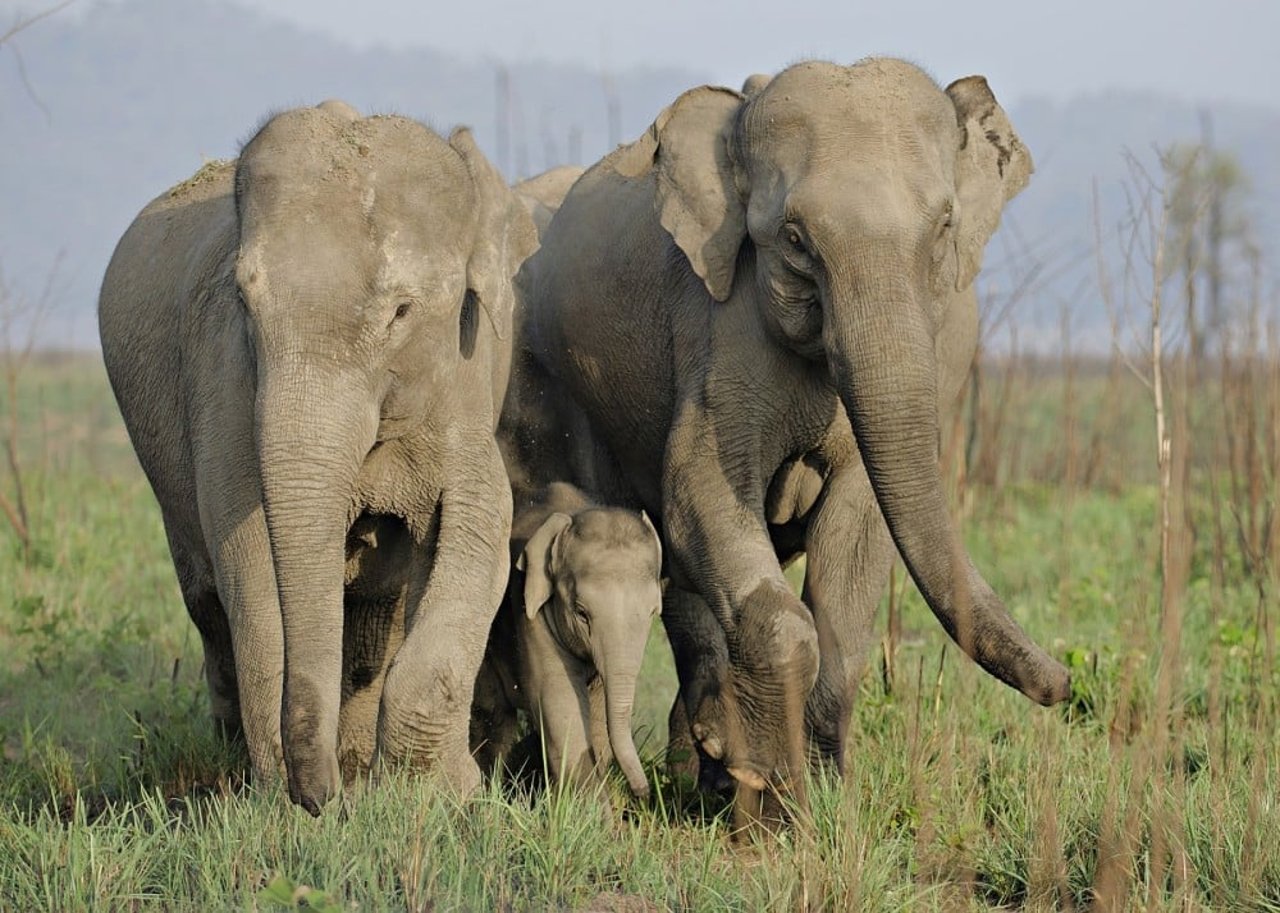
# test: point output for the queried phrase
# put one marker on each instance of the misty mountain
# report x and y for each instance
(135, 94)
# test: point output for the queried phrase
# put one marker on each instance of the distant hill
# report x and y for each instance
(135, 94)
(138, 93)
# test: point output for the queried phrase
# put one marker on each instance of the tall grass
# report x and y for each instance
(115, 794)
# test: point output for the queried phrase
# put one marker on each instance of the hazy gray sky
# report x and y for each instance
(1198, 49)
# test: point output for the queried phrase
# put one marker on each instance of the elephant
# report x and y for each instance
(310, 346)
(543, 193)
(754, 83)
(574, 627)
(746, 322)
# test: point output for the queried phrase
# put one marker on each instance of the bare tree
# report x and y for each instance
(20, 321)
(21, 24)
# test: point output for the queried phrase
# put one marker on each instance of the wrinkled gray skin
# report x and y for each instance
(746, 322)
(310, 348)
(567, 645)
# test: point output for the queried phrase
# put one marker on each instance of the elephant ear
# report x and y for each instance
(505, 235)
(698, 203)
(992, 167)
(536, 561)
(657, 546)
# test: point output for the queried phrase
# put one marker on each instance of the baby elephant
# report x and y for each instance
(574, 626)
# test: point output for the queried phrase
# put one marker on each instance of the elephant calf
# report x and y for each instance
(580, 618)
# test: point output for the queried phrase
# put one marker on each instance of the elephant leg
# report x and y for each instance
(753, 718)
(246, 588)
(219, 659)
(495, 723)
(702, 663)
(200, 596)
(372, 632)
(562, 712)
(849, 552)
(426, 701)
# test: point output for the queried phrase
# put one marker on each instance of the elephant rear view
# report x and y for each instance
(310, 347)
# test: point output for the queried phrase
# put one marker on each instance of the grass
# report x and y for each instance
(116, 795)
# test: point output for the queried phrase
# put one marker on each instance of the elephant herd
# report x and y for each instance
(344, 356)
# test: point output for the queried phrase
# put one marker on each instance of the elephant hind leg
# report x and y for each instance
(702, 664)
(372, 633)
(206, 611)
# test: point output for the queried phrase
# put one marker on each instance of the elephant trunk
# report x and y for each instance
(311, 443)
(885, 367)
(618, 674)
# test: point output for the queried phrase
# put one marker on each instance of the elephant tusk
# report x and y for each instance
(748, 777)
(710, 743)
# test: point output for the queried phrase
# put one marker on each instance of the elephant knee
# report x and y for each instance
(777, 637)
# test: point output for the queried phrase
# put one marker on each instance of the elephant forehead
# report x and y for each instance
(612, 529)
(599, 561)
(877, 105)
(624, 587)
(363, 177)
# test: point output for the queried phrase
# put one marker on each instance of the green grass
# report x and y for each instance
(115, 794)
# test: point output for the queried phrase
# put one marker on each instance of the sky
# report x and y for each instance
(1196, 49)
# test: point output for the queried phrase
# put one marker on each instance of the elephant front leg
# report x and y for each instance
(426, 702)
(561, 709)
(751, 717)
(849, 552)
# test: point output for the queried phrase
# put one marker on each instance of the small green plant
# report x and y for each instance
(281, 891)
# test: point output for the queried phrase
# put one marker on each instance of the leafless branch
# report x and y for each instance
(25, 23)
(21, 25)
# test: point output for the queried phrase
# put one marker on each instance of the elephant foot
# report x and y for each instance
(687, 760)
(770, 809)
(461, 774)
(756, 724)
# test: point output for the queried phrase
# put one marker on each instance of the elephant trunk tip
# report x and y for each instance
(1051, 686)
(639, 785)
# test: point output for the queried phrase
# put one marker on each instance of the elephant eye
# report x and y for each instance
(947, 220)
(795, 239)
(402, 310)
(796, 251)
(580, 612)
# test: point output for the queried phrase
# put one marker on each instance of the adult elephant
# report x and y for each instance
(310, 346)
(755, 310)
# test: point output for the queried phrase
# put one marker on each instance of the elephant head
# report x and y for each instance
(851, 207)
(593, 579)
(367, 250)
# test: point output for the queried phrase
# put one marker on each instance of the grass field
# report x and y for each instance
(1156, 788)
